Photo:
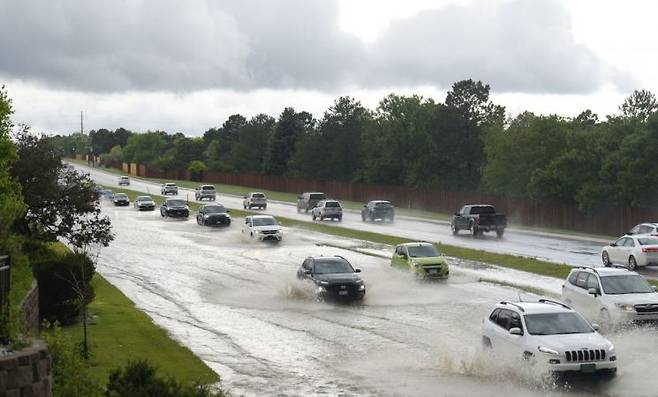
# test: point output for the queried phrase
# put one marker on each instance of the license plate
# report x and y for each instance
(342, 292)
(433, 271)
(587, 368)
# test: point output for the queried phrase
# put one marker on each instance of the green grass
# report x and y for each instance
(121, 332)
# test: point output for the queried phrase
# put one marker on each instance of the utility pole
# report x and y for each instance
(82, 131)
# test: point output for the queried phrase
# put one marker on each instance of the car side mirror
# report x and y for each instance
(593, 291)
(613, 244)
(357, 270)
(228, 211)
(456, 214)
(306, 271)
(244, 196)
(595, 326)
(516, 331)
(654, 288)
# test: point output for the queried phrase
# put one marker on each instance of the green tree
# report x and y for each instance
(290, 127)
(640, 105)
(144, 148)
(247, 152)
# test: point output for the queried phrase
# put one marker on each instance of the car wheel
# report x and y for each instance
(363, 217)
(244, 206)
(454, 228)
(313, 216)
(632, 263)
(340, 219)
(605, 258)
(264, 207)
(321, 218)
(474, 230)
(500, 232)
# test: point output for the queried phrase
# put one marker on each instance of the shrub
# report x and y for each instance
(196, 169)
(71, 375)
(64, 285)
(140, 379)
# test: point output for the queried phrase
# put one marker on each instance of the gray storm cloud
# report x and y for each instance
(170, 45)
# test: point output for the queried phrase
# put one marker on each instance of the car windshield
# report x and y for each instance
(383, 204)
(214, 209)
(176, 203)
(144, 198)
(207, 188)
(124, 178)
(266, 221)
(258, 195)
(648, 241)
(422, 251)
(625, 284)
(331, 265)
(483, 209)
(333, 204)
(170, 184)
(556, 324)
(317, 196)
(120, 196)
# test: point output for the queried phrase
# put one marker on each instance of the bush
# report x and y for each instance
(64, 285)
(196, 169)
(140, 379)
(71, 375)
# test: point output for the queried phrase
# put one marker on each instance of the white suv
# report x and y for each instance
(262, 227)
(255, 199)
(610, 296)
(548, 333)
(327, 209)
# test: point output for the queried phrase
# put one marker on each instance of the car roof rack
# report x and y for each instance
(550, 301)
(588, 268)
(513, 304)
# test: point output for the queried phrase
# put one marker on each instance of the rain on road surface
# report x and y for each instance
(238, 306)
(555, 248)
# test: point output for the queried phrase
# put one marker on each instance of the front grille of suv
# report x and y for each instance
(585, 355)
(648, 308)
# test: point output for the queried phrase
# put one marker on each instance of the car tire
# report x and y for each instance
(340, 219)
(605, 258)
(500, 232)
(264, 207)
(632, 263)
(244, 206)
(474, 230)
(455, 229)
(313, 216)
(363, 217)
(321, 218)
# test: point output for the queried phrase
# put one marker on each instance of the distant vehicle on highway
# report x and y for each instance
(422, 258)
(644, 228)
(610, 296)
(255, 200)
(169, 188)
(106, 194)
(144, 203)
(262, 227)
(631, 251)
(378, 209)
(207, 192)
(308, 201)
(213, 215)
(549, 333)
(120, 199)
(478, 219)
(124, 181)
(174, 208)
(334, 278)
(327, 209)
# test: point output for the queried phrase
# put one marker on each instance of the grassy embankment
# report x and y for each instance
(525, 264)
(120, 332)
(292, 198)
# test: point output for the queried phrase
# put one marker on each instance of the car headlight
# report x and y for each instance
(206, 216)
(547, 350)
(323, 283)
(415, 264)
(625, 307)
(611, 347)
(362, 287)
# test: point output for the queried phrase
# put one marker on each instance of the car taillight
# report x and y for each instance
(653, 250)
(477, 220)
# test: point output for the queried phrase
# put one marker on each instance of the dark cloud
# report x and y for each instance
(170, 45)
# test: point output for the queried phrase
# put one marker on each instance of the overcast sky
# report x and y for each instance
(186, 66)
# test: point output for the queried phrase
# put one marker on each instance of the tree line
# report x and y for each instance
(464, 143)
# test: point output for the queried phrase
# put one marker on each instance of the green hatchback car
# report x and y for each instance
(422, 258)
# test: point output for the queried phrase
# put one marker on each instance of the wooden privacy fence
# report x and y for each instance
(519, 210)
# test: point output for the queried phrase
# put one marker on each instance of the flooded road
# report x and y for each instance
(238, 306)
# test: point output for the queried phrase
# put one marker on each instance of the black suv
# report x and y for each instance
(378, 209)
(120, 199)
(334, 277)
(308, 201)
(213, 215)
(175, 208)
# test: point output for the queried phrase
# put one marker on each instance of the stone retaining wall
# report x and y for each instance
(27, 373)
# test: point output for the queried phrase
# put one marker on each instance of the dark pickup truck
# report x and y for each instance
(478, 219)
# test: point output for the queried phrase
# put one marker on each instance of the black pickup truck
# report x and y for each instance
(478, 219)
